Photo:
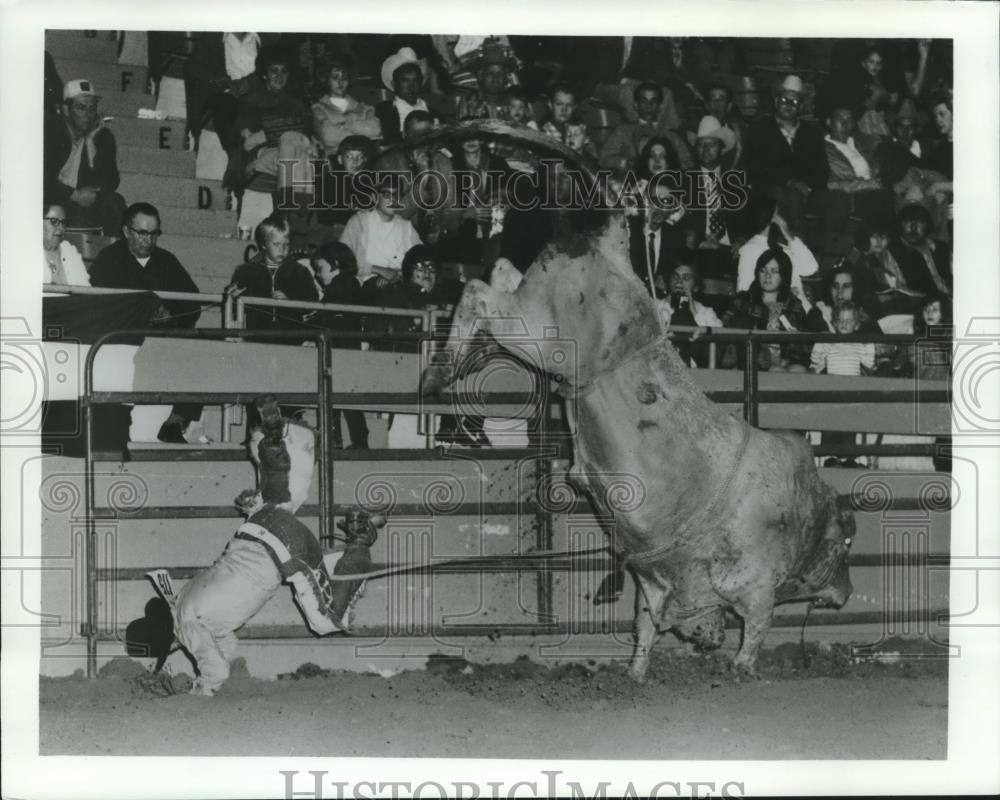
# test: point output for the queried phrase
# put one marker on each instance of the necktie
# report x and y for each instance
(715, 227)
(652, 252)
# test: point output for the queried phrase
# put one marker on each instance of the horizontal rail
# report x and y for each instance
(441, 453)
(199, 297)
(463, 400)
(239, 453)
(528, 563)
(622, 628)
(204, 398)
(580, 507)
(471, 400)
(487, 509)
(336, 308)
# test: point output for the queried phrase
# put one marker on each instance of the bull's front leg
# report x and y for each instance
(650, 600)
(757, 613)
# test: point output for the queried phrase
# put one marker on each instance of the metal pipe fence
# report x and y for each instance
(323, 340)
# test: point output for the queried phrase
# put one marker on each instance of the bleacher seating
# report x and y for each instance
(201, 224)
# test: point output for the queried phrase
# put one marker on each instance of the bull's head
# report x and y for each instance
(501, 311)
(824, 577)
(836, 589)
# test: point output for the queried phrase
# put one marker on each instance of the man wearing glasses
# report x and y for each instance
(785, 155)
(136, 262)
(80, 163)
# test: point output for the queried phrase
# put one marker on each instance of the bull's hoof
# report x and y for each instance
(637, 668)
(743, 669)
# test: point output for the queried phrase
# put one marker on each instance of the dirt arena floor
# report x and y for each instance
(689, 708)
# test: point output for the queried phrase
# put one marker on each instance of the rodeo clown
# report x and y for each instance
(272, 547)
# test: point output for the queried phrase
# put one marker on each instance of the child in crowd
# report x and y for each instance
(518, 110)
(843, 358)
(336, 195)
(336, 271)
(337, 115)
(274, 273)
(577, 139)
(518, 116)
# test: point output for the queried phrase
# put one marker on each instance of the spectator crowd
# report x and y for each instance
(811, 180)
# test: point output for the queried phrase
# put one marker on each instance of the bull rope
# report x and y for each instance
(481, 561)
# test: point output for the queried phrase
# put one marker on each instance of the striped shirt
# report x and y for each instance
(842, 358)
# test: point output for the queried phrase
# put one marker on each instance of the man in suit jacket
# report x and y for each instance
(786, 155)
(715, 202)
(657, 236)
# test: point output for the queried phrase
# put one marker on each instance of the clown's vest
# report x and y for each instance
(299, 559)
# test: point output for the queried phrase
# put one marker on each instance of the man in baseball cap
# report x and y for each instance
(80, 163)
(81, 87)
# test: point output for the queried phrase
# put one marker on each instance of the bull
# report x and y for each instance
(733, 518)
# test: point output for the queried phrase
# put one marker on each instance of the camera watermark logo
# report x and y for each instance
(974, 359)
(35, 371)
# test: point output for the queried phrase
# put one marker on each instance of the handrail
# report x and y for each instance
(201, 297)
(336, 308)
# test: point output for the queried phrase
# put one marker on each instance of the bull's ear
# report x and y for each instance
(505, 277)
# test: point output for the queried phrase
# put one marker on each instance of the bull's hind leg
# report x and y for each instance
(650, 600)
(757, 612)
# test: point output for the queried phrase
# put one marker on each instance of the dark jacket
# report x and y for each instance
(398, 295)
(734, 216)
(892, 161)
(388, 116)
(941, 158)
(771, 162)
(344, 290)
(914, 267)
(102, 173)
(749, 311)
(115, 267)
(291, 278)
(672, 239)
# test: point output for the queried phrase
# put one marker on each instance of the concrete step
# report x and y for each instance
(98, 47)
(108, 79)
(145, 160)
(197, 222)
(210, 261)
(127, 104)
(155, 134)
(173, 191)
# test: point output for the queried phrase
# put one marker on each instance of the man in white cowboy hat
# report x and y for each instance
(402, 75)
(719, 103)
(715, 200)
(785, 153)
(80, 166)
